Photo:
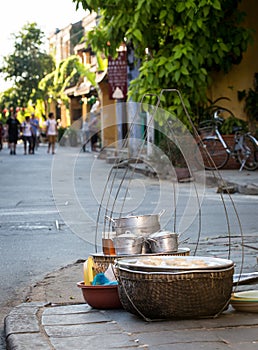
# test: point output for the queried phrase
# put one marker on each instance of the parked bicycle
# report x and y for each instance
(216, 152)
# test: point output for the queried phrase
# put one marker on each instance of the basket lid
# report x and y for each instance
(173, 263)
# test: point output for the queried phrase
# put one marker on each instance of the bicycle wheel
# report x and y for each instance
(214, 155)
(249, 153)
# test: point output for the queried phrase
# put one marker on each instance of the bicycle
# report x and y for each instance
(215, 151)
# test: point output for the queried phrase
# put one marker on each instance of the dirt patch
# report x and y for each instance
(59, 287)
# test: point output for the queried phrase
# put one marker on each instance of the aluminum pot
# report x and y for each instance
(137, 224)
(128, 244)
(163, 242)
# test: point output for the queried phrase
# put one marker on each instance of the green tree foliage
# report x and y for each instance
(28, 64)
(66, 74)
(186, 40)
(9, 99)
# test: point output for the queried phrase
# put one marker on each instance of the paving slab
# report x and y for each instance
(108, 342)
(86, 329)
(28, 341)
(67, 309)
(22, 319)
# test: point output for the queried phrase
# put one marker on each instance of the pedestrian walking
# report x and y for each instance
(27, 135)
(85, 136)
(94, 125)
(51, 132)
(94, 132)
(13, 128)
(34, 132)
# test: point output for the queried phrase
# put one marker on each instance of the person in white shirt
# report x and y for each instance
(27, 135)
(51, 132)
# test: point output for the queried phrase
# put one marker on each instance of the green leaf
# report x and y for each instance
(161, 73)
(181, 35)
(169, 67)
(204, 71)
(206, 11)
(199, 23)
(180, 7)
(163, 14)
(177, 75)
(184, 70)
(214, 47)
(150, 78)
(237, 51)
(178, 54)
(216, 4)
(190, 83)
(161, 61)
(137, 34)
(202, 77)
(223, 47)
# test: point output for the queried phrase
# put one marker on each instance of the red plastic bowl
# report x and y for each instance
(101, 297)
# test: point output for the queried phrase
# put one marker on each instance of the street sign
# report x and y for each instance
(117, 76)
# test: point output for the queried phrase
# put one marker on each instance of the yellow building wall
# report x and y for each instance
(241, 76)
(109, 127)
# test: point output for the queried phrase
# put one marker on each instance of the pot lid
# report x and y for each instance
(137, 216)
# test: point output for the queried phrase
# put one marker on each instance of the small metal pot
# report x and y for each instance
(163, 242)
(137, 224)
(128, 244)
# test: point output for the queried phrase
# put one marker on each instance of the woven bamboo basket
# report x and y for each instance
(101, 261)
(193, 294)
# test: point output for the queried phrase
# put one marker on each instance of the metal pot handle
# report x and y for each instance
(184, 240)
(151, 240)
(162, 212)
(110, 219)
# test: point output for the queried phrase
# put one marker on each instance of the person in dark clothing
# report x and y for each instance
(94, 130)
(34, 132)
(13, 130)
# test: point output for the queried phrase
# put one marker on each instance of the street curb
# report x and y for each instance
(22, 327)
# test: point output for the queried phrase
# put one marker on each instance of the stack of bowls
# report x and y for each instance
(246, 301)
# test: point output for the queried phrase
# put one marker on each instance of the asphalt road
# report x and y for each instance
(31, 242)
(49, 206)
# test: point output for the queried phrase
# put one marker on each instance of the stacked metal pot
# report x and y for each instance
(142, 234)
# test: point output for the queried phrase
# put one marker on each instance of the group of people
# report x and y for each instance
(29, 131)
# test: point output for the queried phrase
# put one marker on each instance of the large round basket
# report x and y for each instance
(102, 261)
(193, 294)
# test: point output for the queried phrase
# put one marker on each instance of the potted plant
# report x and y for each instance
(227, 128)
(177, 159)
